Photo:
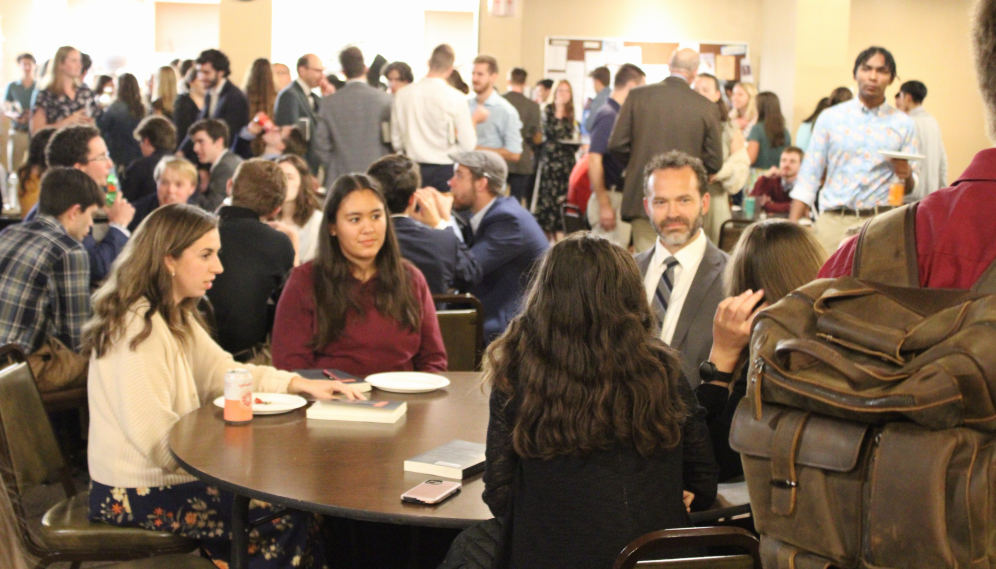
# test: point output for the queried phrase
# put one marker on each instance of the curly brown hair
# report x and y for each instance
(306, 202)
(561, 366)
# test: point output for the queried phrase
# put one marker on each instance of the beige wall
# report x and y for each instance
(186, 28)
(648, 20)
(245, 32)
(931, 43)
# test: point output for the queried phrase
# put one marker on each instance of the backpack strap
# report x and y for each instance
(886, 250)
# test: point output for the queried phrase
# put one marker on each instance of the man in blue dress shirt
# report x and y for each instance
(501, 129)
(845, 147)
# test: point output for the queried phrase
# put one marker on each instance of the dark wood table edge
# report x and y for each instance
(337, 511)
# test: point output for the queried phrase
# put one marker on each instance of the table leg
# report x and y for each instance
(240, 533)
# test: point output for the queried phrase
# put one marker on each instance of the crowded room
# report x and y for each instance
(497, 284)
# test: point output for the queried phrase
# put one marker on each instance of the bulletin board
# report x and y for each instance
(574, 58)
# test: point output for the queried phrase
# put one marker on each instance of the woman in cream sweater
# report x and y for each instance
(152, 362)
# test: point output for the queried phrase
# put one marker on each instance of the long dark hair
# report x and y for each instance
(560, 364)
(262, 95)
(823, 105)
(335, 288)
(36, 159)
(130, 94)
(769, 113)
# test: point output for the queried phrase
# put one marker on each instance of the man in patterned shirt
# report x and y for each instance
(44, 269)
(845, 147)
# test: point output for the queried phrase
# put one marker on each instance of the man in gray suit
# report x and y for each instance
(210, 138)
(683, 271)
(296, 101)
(668, 115)
(354, 123)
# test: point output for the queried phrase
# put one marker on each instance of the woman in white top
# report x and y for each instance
(151, 362)
(301, 210)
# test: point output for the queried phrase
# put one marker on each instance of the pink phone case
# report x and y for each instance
(431, 492)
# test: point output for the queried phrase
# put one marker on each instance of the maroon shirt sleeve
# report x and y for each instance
(780, 202)
(431, 355)
(839, 264)
(294, 323)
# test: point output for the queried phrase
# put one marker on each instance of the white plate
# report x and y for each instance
(276, 403)
(901, 155)
(407, 381)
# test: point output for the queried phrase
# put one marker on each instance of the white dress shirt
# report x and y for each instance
(431, 120)
(933, 173)
(215, 93)
(689, 259)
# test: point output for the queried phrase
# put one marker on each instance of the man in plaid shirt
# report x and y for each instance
(44, 269)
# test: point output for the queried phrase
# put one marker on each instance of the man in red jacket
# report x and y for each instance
(955, 232)
(772, 189)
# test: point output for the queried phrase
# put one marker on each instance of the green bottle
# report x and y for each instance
(112, 189)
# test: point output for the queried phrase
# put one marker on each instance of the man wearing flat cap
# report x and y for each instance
(503, 237)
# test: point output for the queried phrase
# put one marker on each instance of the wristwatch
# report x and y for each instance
(708, 372)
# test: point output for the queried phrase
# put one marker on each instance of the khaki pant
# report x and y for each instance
(17, 149)
(644, 235)
(832, 228)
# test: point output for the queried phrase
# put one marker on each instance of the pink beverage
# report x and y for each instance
(238, 397)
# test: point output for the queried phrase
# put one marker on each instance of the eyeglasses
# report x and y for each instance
(100, 158)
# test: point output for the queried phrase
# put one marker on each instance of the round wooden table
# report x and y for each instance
(340, 468)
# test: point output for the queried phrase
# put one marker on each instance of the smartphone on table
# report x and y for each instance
(431, 492)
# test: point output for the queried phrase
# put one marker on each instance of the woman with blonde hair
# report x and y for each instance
(63, 99)
(772, 258)
(151, 362)
(164, 92)
(744, 111)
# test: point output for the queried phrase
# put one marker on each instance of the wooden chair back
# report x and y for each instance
(656, 543)
(461, 324)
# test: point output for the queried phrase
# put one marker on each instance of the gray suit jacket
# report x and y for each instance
(656, 118)
(350, 131)
(693, 334)
(217, 187)
(292, 105)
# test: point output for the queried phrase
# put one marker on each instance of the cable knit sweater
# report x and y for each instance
(136, 396)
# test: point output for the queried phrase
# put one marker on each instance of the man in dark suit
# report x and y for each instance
(223, 101)
(683, 271)
(296, 101)
(521, 174)
(657, 118)
(354, 123)
(256, 257)
(504, 238)
(157, 138)
(210, 139)
(438, 253)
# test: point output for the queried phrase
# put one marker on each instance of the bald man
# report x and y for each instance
(281, 76)
(658, 118)
(297, 102)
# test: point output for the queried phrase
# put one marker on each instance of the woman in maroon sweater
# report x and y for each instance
(358, 307)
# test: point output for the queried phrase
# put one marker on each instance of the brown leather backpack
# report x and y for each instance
(867, 433)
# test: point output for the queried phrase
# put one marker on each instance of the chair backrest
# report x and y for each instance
(572, 218)
(660, 542)
(27, 442)
(729, 233)
(462, 330)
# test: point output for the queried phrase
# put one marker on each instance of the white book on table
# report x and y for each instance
(456, 459)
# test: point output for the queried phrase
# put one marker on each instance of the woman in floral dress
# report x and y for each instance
(62, 98)
(151, 362)
(558, 159)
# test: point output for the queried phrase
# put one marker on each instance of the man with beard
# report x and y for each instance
(683, 271)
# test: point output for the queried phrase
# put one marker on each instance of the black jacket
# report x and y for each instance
(720, 404)
(442, 258)
(257, 260)
(138, 180)
(232, 109)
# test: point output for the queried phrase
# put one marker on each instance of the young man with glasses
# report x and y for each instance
(81, 147)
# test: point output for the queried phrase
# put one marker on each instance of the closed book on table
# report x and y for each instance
(347, 378)
(360, 411)
(456, 459)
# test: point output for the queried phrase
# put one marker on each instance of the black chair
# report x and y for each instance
(29, 456)
(462, 330)
(572, 219)
(644, 549)
(729, 233)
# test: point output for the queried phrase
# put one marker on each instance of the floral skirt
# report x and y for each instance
(203, 512)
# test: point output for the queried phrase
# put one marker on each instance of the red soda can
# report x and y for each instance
(265, 122)
(238, 397)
